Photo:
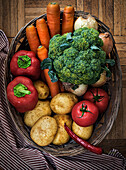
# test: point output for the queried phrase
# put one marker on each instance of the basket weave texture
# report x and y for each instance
(105, 121)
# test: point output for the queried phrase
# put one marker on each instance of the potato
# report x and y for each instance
(44, 130)
(42, 88)
(62, 136)
(63, 103)
(82, 132)
(42, 109)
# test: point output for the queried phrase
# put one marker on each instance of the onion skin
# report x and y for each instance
(101, 81)
(90, 22)
(108, 42)
(82, 88)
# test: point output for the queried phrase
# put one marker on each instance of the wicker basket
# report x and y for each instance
(103, 124)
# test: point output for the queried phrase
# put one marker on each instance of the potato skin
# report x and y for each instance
(42, 88)
(42, 109)
(62, 136)
(63, 103)
(82, 132)
(44, 130)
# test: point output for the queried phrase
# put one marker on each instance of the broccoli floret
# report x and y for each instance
(73, 58)
(55, 45)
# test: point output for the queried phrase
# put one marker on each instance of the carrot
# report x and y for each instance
(54, 87)
(32, 37)
(43, 32)
(42, 53)
(53, 18)
(68, 19)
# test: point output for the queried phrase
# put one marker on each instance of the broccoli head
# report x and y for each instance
(78, 58)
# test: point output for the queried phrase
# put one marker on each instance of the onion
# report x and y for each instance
(79, 23)
(82, 88)
(108, 42)
(101, 81)
(90, 22)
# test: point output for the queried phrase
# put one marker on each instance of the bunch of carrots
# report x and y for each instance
(38, 37)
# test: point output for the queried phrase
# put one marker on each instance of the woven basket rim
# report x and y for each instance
(109, 125)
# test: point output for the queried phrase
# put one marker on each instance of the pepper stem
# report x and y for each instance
(20, 90)
(24, 61)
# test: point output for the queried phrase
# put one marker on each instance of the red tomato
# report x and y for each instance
(85, 113)
(99, 97)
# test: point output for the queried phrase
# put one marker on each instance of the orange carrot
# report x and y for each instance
(42, 53)
(54, 87)
(68, 19)
(43, 32)
(53, 18)
(32, 37)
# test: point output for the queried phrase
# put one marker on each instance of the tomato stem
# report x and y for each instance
(84, 109)
(97, 97)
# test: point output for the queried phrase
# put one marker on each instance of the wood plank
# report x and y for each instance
(1, 16)
(109, 14)
(21, 17)
(106, 13)
(91, 6)
(101, 10)
(119, 144)
(6, 21)
(34, 11)
(117, 17)
(121, 47)
(120, 39)
(88, 6)
(44, 3)
(13, 17)
(80, 5)
(95, 10)
(123, 17)
(9, 21)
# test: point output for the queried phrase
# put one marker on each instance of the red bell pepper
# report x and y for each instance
(25, 63)
(22, 94)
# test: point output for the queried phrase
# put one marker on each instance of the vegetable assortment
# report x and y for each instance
(58, 84)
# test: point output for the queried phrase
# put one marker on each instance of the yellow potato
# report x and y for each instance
(62, 136)
(63, 103)
(42, 88)
(42, 109)
(82, 132)
(44, 130)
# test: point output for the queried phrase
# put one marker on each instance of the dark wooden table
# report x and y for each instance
(14, 14)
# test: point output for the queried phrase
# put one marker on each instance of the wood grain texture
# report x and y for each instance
(21, 14)
(14, 14)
